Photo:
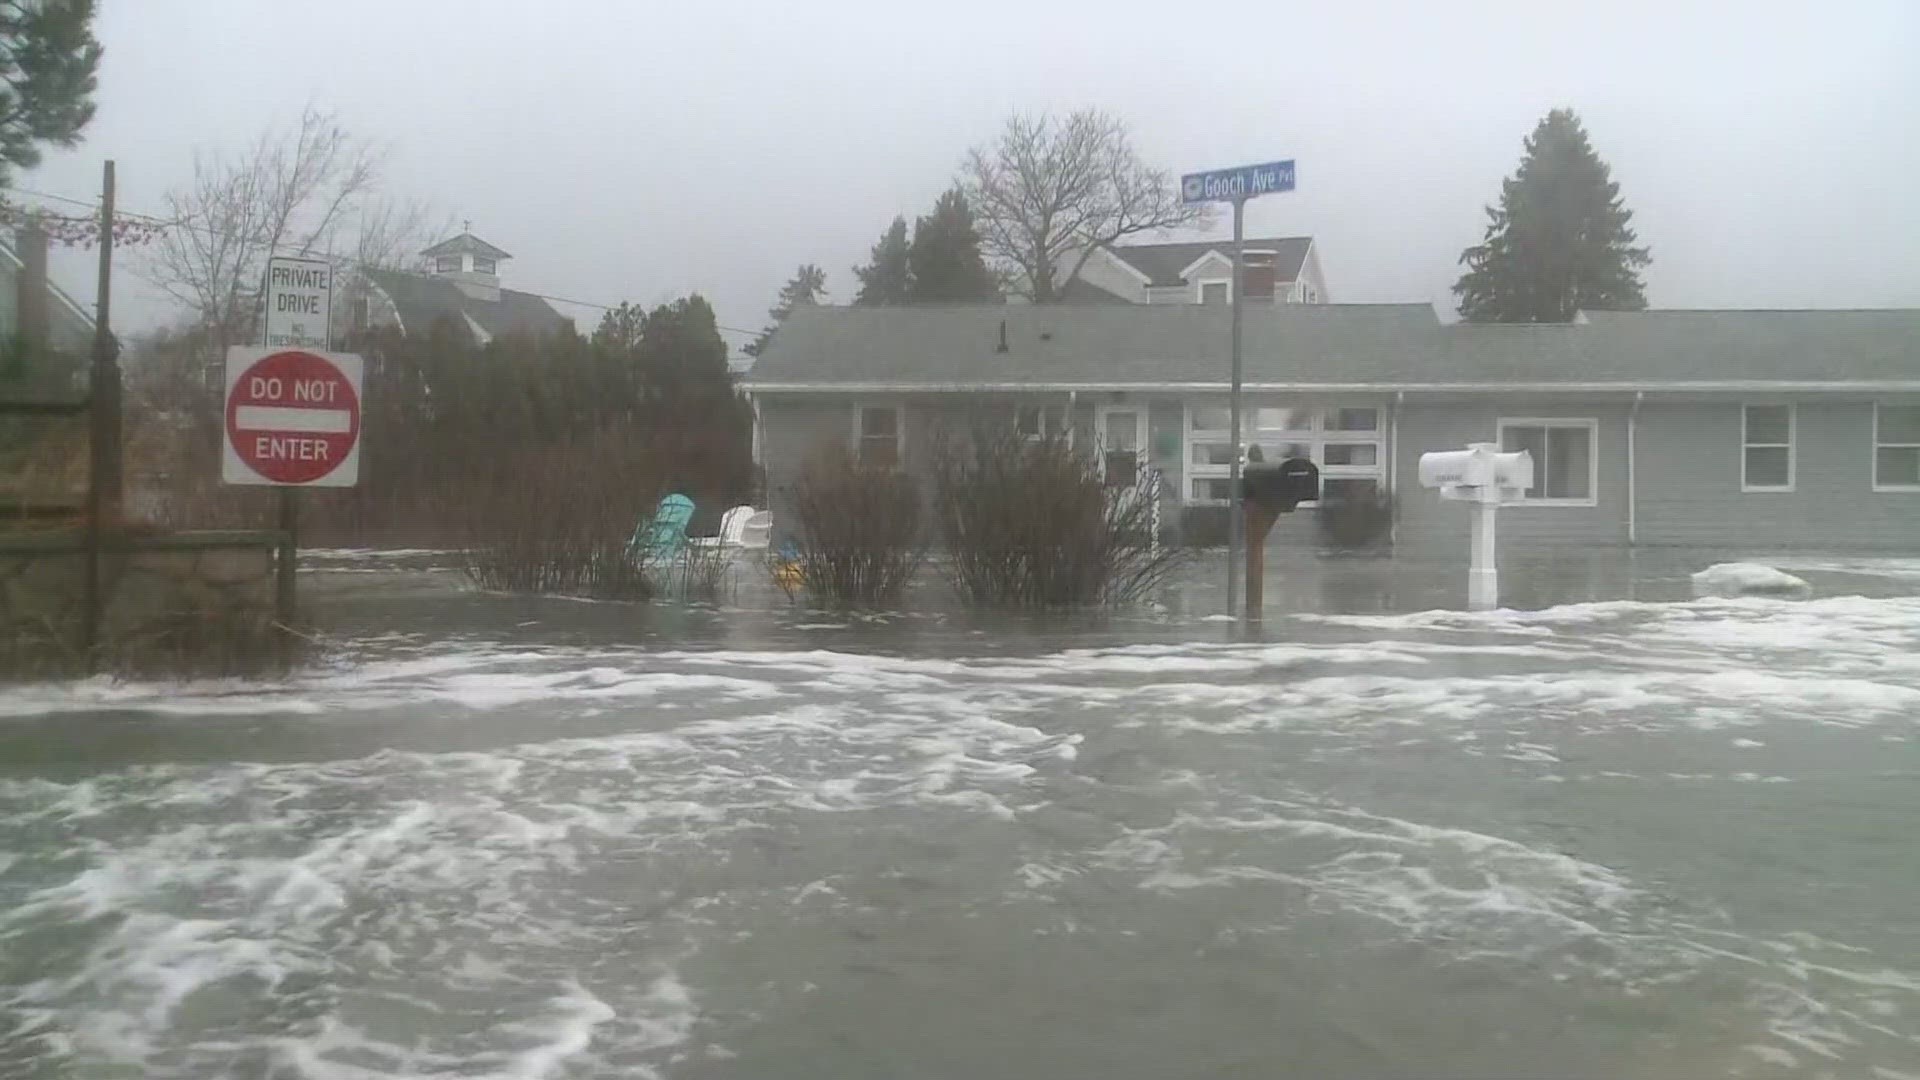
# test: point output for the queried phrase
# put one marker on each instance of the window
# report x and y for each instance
(1564, 462)
(877, 435)
(483, 265)
(1896, 448)
(1345, 442)
(446, 264)
(1214, 292)
(1040, 421)
(1766, 448)
(1212, 488)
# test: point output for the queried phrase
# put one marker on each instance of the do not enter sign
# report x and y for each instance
(293, 418)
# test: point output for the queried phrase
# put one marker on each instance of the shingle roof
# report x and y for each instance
(465, 244)
(422, 300)
(1307, 344)
(1163, 262)
(1082, 290)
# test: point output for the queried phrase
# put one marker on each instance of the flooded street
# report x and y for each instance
(1650, 837)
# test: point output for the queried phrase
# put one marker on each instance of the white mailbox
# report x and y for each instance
(1484, 476)
(1480, 473)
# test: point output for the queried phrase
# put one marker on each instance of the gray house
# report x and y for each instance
(1748, 429)
(1282, 268)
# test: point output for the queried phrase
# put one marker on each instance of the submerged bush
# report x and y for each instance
(1028, 521)
(1355, 519)
(857, 535)
(560, 521)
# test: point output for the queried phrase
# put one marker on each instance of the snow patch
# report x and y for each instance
(1748, 579)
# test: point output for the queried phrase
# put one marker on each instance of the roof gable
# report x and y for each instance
(1167, 264)
(421, 300)
(465, 244)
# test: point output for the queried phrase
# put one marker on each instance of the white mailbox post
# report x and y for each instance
(1485, 477)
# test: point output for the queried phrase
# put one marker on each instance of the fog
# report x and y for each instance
(637, 151)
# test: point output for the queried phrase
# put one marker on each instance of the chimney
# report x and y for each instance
(31, 301)
(1257, 273)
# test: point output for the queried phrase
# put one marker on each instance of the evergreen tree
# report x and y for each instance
(945, 261)
(48, 61)
(888, 277)
(1559, 242)
(807, 286)
(620, 327)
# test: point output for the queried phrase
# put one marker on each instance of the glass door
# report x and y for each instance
(1123, 439)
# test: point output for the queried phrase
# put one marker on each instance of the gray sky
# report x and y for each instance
(640, 150)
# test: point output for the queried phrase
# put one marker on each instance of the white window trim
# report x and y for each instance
(1592, 426)
(1792, 445)
(1057, 410)
(1316, 435)
(899, 428)
(1200, 288)
(1873, 451)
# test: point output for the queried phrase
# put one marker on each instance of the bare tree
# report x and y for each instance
(289, 193)
(1049, 192)
(389, 233)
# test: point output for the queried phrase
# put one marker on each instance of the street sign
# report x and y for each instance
(299, 298)
(1241, 182)
(292, 417)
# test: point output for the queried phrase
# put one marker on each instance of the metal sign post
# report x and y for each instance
(1236, 186)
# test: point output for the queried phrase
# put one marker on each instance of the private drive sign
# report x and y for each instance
(293, 418)
(299, 302)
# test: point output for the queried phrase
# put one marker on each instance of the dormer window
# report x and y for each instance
(446, 264)
(483, 265)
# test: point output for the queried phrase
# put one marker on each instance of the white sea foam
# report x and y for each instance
(332, 882)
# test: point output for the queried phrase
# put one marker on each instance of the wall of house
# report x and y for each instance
(1690, 479)
(1426, 524)
(1688, 459)
(1106, 272)
(1310, 274)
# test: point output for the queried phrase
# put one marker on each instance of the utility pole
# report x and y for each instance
(1236, 185)
(1235, 513)
(104, 483)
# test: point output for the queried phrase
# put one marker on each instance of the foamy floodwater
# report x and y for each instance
(1613, 839)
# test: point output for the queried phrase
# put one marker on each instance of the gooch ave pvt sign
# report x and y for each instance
(1239, 182)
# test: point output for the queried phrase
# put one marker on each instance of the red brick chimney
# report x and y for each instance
(1257, 273)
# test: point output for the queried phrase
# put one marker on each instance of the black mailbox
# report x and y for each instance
(1280, 486)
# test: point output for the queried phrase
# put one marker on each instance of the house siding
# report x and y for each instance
(1427, 524)
(1689, 482)
(1103, 271)
(1688, 458)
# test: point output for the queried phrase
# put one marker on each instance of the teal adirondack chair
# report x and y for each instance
(660, 538)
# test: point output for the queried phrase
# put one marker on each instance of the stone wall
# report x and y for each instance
(182, 604)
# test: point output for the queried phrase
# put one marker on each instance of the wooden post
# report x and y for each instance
(284, 596)
(1260, 521)
(103, 449)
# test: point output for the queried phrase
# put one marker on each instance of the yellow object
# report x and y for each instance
(787, 575)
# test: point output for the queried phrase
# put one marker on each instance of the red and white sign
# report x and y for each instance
(293, 418)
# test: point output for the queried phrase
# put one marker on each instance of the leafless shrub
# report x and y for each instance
(560, 521)
(1033, 522)
(858, 536)
(702, 572)
(1356, 520)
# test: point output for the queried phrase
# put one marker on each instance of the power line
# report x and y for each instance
(182, 222)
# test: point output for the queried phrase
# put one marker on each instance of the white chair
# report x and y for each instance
(758, 531)
(733, 525)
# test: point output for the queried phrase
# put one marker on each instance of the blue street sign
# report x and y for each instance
(1243, 182)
